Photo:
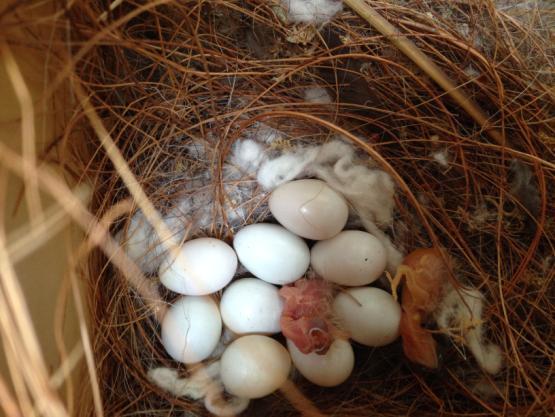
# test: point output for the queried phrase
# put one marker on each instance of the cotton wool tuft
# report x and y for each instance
(142, 244)
(249, 174)
(312, 11)
(247, 155)
(460, 314)
(317, 95)
(203, 383)
(441, 157)
(286, 167)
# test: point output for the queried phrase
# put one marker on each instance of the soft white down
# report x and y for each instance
(460, 313)
(204, 382)
(141, 243)
(312, 11)
(317, 95)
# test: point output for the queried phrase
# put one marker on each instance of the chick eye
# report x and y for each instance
(320, 339)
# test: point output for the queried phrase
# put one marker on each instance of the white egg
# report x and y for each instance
(370, 315)
(309, 208)
(272, 253)
(254, 366)
(191, 329)
(351, 258)
(327, 370)
(250, 305)
(203, 266)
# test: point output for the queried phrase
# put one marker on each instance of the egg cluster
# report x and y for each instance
(316, 323)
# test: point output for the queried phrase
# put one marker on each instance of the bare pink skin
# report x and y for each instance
(306, 319)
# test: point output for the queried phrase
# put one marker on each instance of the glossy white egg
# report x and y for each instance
(250, 305)
(204, 266)
(352, 258)
(327, 370)
(309, 208)
(272, 253)
(370, 315)
(254, 366)
(191, 329)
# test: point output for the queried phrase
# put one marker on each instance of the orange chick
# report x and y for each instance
(425, 272)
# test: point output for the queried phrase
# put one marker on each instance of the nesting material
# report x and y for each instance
(441, 157)
(204, 106)
(312, 11)
(141, 243)
(203, 383)
(317, 95)
(460, 315)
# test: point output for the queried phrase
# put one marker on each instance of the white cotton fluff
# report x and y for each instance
(204, 204)
(285, 168)
(460, 314)
(197, 150)
(247, 155)
(200, 208)
(264, 133)
(249, 174)
(142, 244)
(204, 383)
(317, 95)
(441, 157)
(220, 406)
(370, 191)
(168, 379)
(312, 11)
(239, 191)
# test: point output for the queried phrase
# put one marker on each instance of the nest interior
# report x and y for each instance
(165, 75)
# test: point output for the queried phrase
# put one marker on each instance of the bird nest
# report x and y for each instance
(456, 106)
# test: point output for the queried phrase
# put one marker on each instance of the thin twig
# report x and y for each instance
(299, 400)
(412, 51)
